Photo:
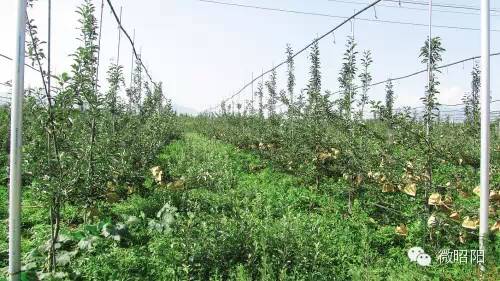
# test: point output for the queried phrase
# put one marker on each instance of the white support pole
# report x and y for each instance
(132, 64)
(252, 107)
(15, 146)
(49, 49)
(485, 125)
(352, 26)
(119, 37)
(429, 68)
(99, 50)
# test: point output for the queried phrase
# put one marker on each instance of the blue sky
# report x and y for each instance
(204, 52)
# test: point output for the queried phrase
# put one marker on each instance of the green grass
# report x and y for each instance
(237, 219)
(3, 227)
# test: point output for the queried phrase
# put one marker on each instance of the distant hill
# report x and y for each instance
(184, 109)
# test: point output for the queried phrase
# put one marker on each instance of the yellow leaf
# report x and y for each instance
(155, 170)
(110, 186)
(455, 216)
(410, 189)
(402, 230)
(477, 190)
(130, 190)
(409, 165)
(470, 223)
(359, 179)
(425, 176)
(178, 184)
(461, 238)
(383, 178)
(463, 193)
(432, 221)
(386, 187)
(434, 199)
(447, 200)
(323, 156)
(157, 174)
(494, 195)
(495, 227)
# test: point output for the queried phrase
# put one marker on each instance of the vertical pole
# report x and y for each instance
(262, 83)
(99, 49)
(49, 47)
(15, 147)
(352, 25)
(119, 37)
(252, 107)
(132, 67)
(428, 118)
(140, 56)
(429, 68)
(485, 125)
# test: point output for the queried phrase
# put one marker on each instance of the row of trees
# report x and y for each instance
(390, 161)
(350, 99)
(84, 144)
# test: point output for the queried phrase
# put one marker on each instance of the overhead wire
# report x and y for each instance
(137, 57)
(425, 70)
(27, 65)
(319, 38)
(343, 17)
(410, 8)
(441, 105)
(413, 74)
(302, 50)
(441, 5)
(36, 54)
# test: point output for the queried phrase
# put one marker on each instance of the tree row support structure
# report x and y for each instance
(485, 127)
(15, 146)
